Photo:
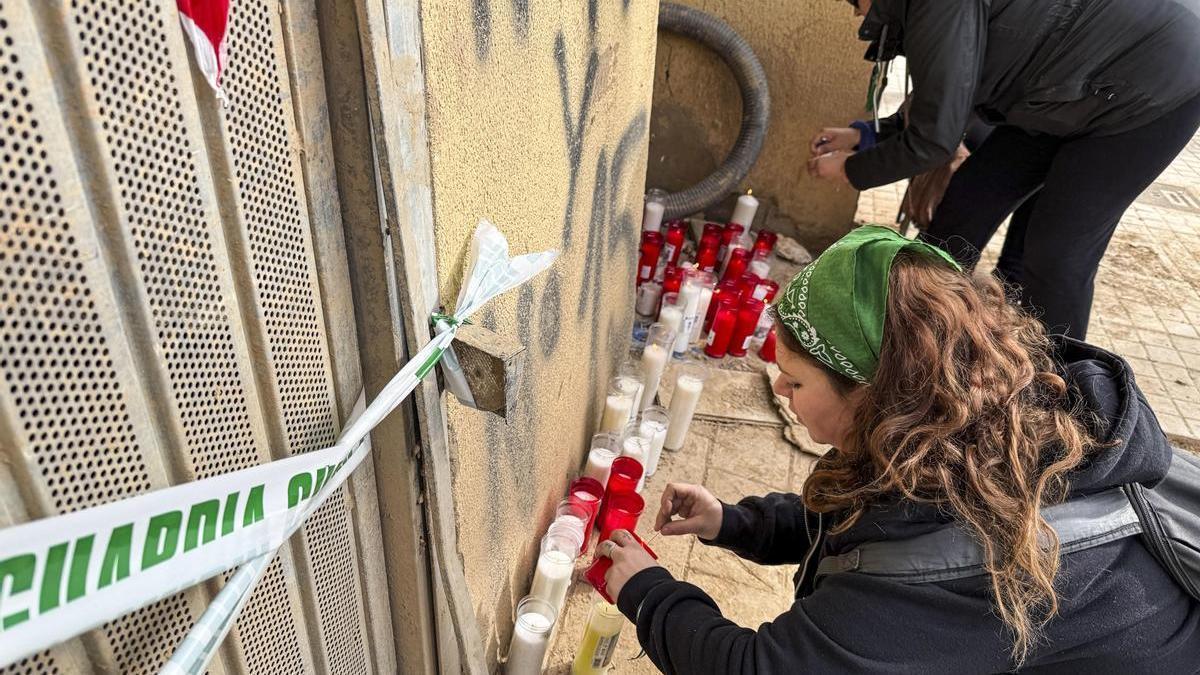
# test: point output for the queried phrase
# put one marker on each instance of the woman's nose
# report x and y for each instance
(778, 387)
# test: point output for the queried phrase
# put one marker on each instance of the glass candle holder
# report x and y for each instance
(689, 303)
(651, 249)
(723, 323)
(622, 513)
(588, 492)
(571, 512)
(671, 316)
(629, 377)
(764, 243)
(625, 474)
(555, 567)
(636, 447)
(600, 635)
(706, 252)
(736, 264)
(725, 288)
(730, 236)
(707, 281)
(618, 404)
(767, 290)
(767, 351)
(673, 246)
(747, 285)
(659, 340)
(743, 330)
(648, 296)
(531, 636)
(760, 264)
(605, 448)
(689, 385)
(653, 426)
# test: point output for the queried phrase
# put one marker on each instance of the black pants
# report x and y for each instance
(1071, 193)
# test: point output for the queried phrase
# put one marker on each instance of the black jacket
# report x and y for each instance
(1061, 67)
(1119, 610)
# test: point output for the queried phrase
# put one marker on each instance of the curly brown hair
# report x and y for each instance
(966, 411)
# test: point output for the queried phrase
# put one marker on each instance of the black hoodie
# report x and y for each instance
(1119, 611)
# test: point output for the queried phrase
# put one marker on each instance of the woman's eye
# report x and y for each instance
(795, 385)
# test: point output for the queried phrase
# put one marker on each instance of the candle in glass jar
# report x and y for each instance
(637, 448)
(552, 577)
(689, 385)
(652, 216)
(531, 636)
(652, 243)
(605, 447)
(689, 301)
(672, 317)
(743, 330)
(743, 213)
(616, 411)
(706, 253)
(722, 327)
(767, 351)
(731, 236)
(659, 341)
(648, 295)
(599, 640)
(736, 264)
(653, 426)
(676, 230)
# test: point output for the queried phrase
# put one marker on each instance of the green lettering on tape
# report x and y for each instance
(322, 474)
(56, 560)
(254, 507)
(81, 558)
(115, 566)
(299, 488)
(162, 538)
(202, 515)
(227, 519)
(430, 362)
(18, 569)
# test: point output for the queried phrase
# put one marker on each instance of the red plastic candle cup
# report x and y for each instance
(731, 233)
(714, 228)
(767, 351)
(768, 289)
(747, 321)
(739, 258)
(747, 284)
(652, 243)
(722, 326)
(599, 567)
(672, 280)
(587, 492)
(764, 243)
(706, 253)
(626, 472)
(676, 230)
(621, 512)
(724, 288)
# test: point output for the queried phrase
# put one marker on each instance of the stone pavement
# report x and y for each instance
(733, 461)
(1147, 303)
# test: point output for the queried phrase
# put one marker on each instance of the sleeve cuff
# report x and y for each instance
(856, 175)
(732, 524)
(634, 591)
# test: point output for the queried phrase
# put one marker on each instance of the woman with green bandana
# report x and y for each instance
(964, 522)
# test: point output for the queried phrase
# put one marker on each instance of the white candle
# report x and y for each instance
(531, 636)
(759, 268)
(553, 578)
(683, 405)
(743, 213)
(638, 448)
(648, 295)
(654, 360)
(706, 294)
(652, 217)
(672, 315)
(657, 433)
(616, 412)
(599, 464)
(689, 300)
(631, 385)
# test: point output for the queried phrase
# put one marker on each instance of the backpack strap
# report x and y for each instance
(953, 553)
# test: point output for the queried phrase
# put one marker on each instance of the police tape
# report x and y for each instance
(64, 575)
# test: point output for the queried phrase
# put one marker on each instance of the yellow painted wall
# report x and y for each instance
(524, 95)
(817, 77)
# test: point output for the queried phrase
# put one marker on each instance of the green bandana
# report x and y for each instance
(835, 307)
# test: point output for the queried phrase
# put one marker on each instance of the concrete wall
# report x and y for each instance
(817, 77)
(538, 118)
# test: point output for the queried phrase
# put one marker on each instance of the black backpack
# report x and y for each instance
(1167, 517)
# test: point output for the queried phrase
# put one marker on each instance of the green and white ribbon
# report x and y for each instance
(64, 575)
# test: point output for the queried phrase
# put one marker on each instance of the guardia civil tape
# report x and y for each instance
(64, 575)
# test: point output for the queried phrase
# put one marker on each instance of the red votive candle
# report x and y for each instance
(722, 326)
(731, 233)
(713, 228)
(652, 243)
(626, 472)
(587, 492)
(739, 258)
(723, 288)
(676, 229)
(766, 291)
(764, 243)
(767, 351)
(672, 280)
(747, 321)
(621, 512)
(599, 568)
(747, 284)
(706, 253)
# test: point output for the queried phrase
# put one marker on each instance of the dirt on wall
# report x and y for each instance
(817, 77)
(538, 121)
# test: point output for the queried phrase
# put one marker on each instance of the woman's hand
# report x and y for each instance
(830, 166)
(628, 558)
(700, 512)
(830, 139)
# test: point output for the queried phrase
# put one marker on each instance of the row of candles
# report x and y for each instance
(624, 451)
(719, 298)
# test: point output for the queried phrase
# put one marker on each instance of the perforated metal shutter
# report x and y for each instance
(160, 311)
